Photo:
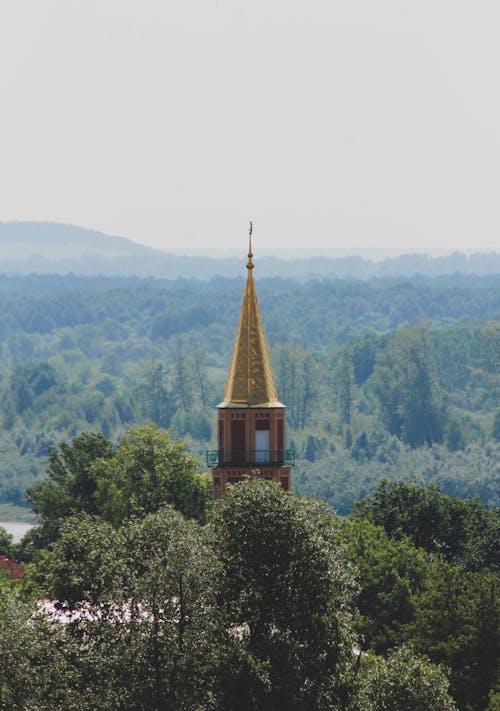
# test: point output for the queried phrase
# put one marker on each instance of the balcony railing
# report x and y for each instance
(250, 457)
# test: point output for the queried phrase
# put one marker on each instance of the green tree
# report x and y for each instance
(389, 573)
(201, 378)
(134, 623)
(183, 380)
(364, 352)
(344, 381)
(406, 384)
(70, 486)
(195, 423)
(155, 396)
(297, 379)
(464, 532)
(5, 542)
(402, 682)
(286, 588)
(146, 471)
(454, 436)
(312, 448)
(496, 426)
(91, 476)
(457, 622)
(29, 656)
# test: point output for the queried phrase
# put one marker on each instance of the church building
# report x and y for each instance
(251, 419)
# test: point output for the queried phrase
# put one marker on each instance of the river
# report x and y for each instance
(16, 528)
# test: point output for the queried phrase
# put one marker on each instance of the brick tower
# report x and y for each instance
(251, 420)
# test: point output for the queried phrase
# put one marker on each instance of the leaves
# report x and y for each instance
(405, 381)
(147, 471)
(402, 682)
(286, 586)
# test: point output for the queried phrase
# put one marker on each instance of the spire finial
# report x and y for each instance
(250, 254)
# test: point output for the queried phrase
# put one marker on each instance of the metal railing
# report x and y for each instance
(250, 457)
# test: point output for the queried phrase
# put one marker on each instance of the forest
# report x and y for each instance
(395, 379)
(374, 586)
(158, 598)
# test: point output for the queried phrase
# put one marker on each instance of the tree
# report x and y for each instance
(454, 436)
(402, 682)
(5, 541)
(457, 623)
(183, 380)
(286, 589)
(297, 381)
(463, 532)
(406, 384)
(201, 378)
(134, 623)
(345, 385)
(196, 423)
(156, 399)
(70, 486)
(389, 573)
(496, 426)
(24, 642)
(146, 471)
(91, 476)
(364, 352)
(312, 448)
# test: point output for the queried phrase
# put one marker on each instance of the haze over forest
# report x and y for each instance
(52, 248)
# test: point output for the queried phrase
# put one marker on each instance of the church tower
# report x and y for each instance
(251, 419)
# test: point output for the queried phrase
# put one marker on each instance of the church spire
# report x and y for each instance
(251, 381)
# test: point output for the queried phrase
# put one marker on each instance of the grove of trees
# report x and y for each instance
(265, 600)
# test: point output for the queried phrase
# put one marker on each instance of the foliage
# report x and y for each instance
(32, 668)
(446, 610)
(344, 385)
(389, 573)
(463, 532)
(344, 476)
(406, 384)
(457, 622)
(496, 426)
(285, 585)
(146, 471)
(103, 354)
(5, 542)
(135, 624)
(91, 476)
(252, 611)
(298, 375)
(70, 486)
(402, 682)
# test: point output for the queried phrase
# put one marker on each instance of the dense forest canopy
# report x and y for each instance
(385, 378)
(264, 600)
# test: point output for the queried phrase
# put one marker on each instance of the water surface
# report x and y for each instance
(16, 528)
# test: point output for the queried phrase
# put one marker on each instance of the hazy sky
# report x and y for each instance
(331, 123)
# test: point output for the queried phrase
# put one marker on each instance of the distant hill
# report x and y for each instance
(51, 240)
(52, 248)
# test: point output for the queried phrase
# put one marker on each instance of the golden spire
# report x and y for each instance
(250, 382)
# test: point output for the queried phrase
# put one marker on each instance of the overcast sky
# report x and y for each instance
(340, 124)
